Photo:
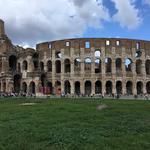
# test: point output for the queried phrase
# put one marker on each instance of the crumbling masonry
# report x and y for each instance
(76, 66)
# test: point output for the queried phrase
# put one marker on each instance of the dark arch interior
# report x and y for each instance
(139, 87)
(24, 87)
(88, 88)
(67, 87)
(35, 60)
(67, 66)
(58, 66)
(17, 82)
(32, 87)
(98, 87)
(129, 88)
(108, 87)
(77, 87)
(12, 62)
(119, 87)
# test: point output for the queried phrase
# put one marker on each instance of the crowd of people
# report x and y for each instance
(63, 95)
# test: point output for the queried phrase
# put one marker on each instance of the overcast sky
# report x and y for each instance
(29, 22)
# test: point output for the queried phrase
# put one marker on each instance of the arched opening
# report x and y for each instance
(58, 54)
(108, 87)
(129, 88)
(42, 66)
(119, 87)
(0, 64)
(97, 66)
(4, 86)
(67, 66)
(98, 87)
(128, 64)
(17, 83)
(32, 87)
(97, 53)
(58, 66)
(49, 66)
(139, 88)
(43, 83)
(25, 65)
(19, 67)
(12, 62)
(108, 63)
(67, 87)
(35, 58)
(49, 88)
(138, 66)
(77, 63)
(77, 88)
(147, 67)
(148, 87)
(24, 87)
(58, 88)
(87, 64)
(118, 65)
(88, 88)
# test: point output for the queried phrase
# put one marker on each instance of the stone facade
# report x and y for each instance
(76, 66)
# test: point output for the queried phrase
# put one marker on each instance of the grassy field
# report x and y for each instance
(74, 125)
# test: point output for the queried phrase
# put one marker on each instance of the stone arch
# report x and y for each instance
(49, 88)
(58, 54)
(12, 62)
(19, 67)
(42, 66)
(35, 59)
(77, 88)
(139, 88)
(128, 64)
(118, 65)
(87, 64)
(67, 66)
(58, 66)
(17, 83)
(108, 64)
(108, 87)
(119, 87)
(43, 79)
(25, 65)
(148, 87)
(67, 87)
(24, 87)
(58, 88)
(4, 86)
(88, 88)
(129, 87)
(0, 64)
(147, 67)
(97, 66)
(139, 66)
(97, 53)
(49, 66)
(77, 64)
(98, 87)
(32, 87)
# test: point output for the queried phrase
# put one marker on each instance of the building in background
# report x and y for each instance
(86, 66)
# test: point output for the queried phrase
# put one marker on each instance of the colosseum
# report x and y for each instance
(80, 66)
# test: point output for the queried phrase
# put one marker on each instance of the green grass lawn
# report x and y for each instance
(74, 125)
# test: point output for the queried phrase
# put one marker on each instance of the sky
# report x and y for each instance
(28, 22)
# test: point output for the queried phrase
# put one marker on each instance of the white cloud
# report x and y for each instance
(31, 21)
(127, 14)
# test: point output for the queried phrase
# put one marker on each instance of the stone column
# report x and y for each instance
(53, 70)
